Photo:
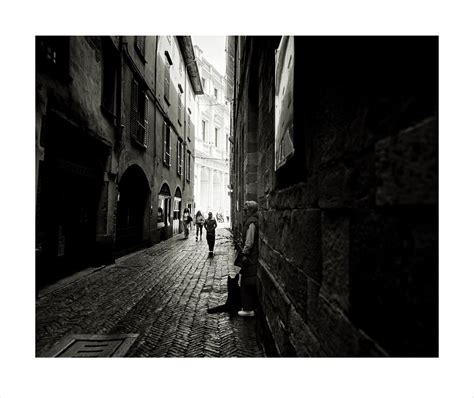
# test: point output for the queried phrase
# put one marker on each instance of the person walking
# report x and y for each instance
(210, 224)
(187, 220)
(199, 223)
(249, 259)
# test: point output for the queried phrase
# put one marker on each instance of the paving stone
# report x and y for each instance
(160, 293)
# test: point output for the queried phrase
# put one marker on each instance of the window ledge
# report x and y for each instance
(139, 144)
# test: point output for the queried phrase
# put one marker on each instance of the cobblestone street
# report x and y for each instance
(160, 293)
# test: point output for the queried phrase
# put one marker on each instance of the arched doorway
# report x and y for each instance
(133, 197)
(164, 207)
(177, 211)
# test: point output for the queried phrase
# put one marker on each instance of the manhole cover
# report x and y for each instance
(92, 346)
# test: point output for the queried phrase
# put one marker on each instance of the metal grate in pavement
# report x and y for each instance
(92, 346)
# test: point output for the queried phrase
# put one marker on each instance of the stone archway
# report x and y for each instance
(134, 192)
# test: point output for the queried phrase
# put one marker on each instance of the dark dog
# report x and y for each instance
(233, 303)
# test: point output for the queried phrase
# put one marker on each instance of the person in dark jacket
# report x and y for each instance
(210, 224)
(248, 272)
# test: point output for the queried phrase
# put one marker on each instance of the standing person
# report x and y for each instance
(187, 220)
(199, 223)
(248, 272)
(210, 224)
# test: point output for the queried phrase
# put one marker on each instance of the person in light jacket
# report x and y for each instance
(199, 223)
(248, 272)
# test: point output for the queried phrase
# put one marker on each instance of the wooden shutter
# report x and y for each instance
(134, 110)
(145, 121)
(181, 157)
(167, 83)
(165, 142)
(178, 157)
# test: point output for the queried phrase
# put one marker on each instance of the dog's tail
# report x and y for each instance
(219, 308)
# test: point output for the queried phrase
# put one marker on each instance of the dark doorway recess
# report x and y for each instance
(69, 184)
(133, 196)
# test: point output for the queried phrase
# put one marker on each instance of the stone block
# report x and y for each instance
(332, 181)
(407, 166)
(251, 159)
(393, 278)
(301, 240)
(251, 191)
(251, 175)
(295, 287)
(289, 198)
(303, 341)
(335, 257)
(272, 259)
(274, 294)
(329, 140)
(338, 337)
(348, 183)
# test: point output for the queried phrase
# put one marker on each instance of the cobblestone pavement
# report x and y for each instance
(162, 293)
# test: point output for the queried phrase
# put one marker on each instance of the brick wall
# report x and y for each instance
(349, 231)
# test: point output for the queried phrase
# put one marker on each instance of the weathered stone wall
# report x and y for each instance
(349, 232)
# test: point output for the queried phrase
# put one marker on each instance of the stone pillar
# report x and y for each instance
(197, 185)
(210, 196)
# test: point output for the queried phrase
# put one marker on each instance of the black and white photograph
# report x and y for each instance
(235, 210)
(309, 164)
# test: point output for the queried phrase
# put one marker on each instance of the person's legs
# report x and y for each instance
(248, 295)
(213, 241)
(209, 240)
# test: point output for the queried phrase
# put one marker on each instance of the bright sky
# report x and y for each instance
(213, 48)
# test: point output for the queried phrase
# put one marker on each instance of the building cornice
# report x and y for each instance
(186, 47)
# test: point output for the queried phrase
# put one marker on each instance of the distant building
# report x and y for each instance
(212, 141)
(336, 138)
(114, 142)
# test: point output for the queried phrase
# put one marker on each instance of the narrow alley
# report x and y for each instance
(159, 295)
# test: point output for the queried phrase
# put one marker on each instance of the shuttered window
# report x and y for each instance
(188, 125)
(188, 167)
(179, 157)
(166, 145)
(134, 110)
(139, 115)
(167, 84)
(180, 109)
(109, 80)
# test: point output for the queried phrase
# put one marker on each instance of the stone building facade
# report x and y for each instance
(348, 219)
(212, 141)
(114, 142)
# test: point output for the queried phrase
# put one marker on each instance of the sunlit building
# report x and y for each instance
(211, 190)
(115, 125)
